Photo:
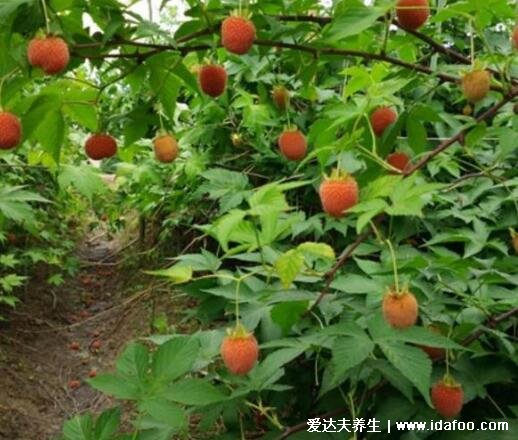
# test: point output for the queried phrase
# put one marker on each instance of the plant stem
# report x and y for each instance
(394, 263)
(238, 283)
(46, 14)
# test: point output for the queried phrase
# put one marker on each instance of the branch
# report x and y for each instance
(329, 276)
(434, 45)
(492, 322)
(445, 144)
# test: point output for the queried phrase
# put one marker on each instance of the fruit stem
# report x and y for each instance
(472, 43)
(161, 119)
(394, 264)
(3, 80)
(238, 283)
(46, 14)
(388, 22)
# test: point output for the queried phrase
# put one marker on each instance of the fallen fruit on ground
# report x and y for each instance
(166, 148)
(293, 144)
(381, 119)
(475, 85)
(92, 373)
(10, 131)
(74, 346)
(281, 97)
(239, 351)
(212, 79)
(96, 344)
(74, 384)
(50, 53)
(412, 14)
(400, 309)
(237, 34)
(338, 193)
(100, 146)
(447, 397)
(399, 160)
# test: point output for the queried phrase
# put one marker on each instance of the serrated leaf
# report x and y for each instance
(177, 274)
(412, 362)
(288, 266)
(317, 249)
(196, 392)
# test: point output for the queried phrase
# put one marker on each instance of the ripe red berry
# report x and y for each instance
(213, 79)
(293, 144)
(100, 146)
(10, 131)
(237, 34)
(338, 193)
(281, 97)
(399, 160)
(73, 384)
(239, 351)
(400, 309)
(74, 346)
(412, 14)
(447, 397)
(381, 118)
(49, 53)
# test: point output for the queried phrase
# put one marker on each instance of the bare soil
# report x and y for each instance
(99, 310)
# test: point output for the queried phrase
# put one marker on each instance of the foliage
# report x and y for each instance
(308, 286)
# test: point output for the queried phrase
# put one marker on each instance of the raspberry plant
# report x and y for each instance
(306, 285)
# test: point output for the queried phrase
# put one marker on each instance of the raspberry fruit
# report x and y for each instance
(338, 193)
(239, 351)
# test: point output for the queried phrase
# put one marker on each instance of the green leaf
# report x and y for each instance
(134, 362)
(348, 352)
(175, 358)
(119, 387)
(7, 7)
(269, 368)
(318, 250)
(288, 266)
(79, 428)
(416, 133)
(226, 225)
(196, 392)
(267, 199)
(107, 424)
(51, 133)
(351, 20)
(165, 412)
(412, 362)
(286, 314)
(177, 274)
(83, 178)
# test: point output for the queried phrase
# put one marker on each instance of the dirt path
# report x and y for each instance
(55, 338)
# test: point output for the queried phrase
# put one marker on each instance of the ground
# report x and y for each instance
(104, 304)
